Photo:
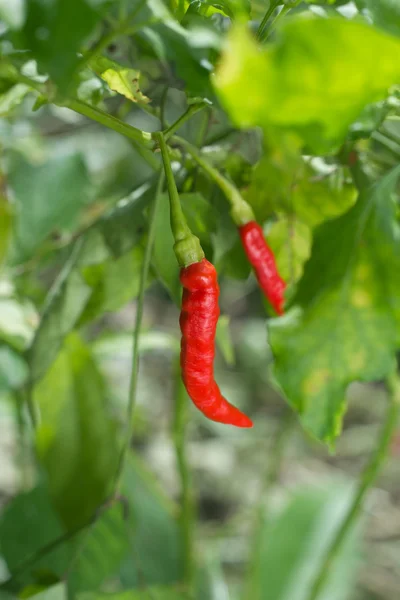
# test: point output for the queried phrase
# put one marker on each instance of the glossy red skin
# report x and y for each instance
(263, 262)
(198, 322)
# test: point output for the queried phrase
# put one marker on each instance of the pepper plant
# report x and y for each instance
(285, 114)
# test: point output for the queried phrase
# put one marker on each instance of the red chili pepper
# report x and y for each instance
(198, 321)
(262, 260)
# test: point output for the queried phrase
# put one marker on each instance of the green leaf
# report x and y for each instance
(123, 80)
(6, 219)
(27, 524)
(64, 305)
(200, 215)
(100, 550)
(290, 240)
(335, 57)
(298, 189)
(55, 31)
(55, 592)
(224, 340)
(76, 439)
(163, 259)
(47, 197)
(346, 325)
(148, 593)
(100, 274)
(113, 282)
(385, 13)
(291, 547)
(12, 98)
(156, 547)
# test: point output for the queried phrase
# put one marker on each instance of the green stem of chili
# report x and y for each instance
(187, 500)
(241, 211)
(367, 478)
(187, 246)
(261, 29)
(191, 110)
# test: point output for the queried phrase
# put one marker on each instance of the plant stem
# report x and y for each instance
(109, 121)
(179, 225)
(285, 9)
(270, 478)
(187, 246)
(191, 110)
(241, 212)
(136, 331)
(188, 509)
(367, 478)
(273, 4)
(95, 114)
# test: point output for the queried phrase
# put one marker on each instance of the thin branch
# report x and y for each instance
(136, 331)
(187, 509)
(367, 478)
(191, 110)
(273, 4)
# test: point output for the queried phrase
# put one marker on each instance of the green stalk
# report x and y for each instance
(273, 4)
(187, 515)
(367, 478)
(95, 114)
(109, 121)
(187, 246)
(191, 110)
(136, 331)
(241, 211)
(273, 468)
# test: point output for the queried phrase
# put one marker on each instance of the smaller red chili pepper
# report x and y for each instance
(262, 260)
(257, 250)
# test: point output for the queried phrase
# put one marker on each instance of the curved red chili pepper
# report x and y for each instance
(198, 322)
(263, 262)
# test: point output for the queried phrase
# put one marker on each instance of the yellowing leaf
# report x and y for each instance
(345, 326)
(120, 79)
(315, 79)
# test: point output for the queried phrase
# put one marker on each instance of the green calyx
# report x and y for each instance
(188, 251)
(187, 246)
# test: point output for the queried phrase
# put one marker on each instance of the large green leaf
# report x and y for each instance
(55, 592)
(113, 282)
(48, 196)
(100, 550)
(156, 546)
(100, 274)
(346, 322)
(315, 79)
(290, 240)
(298, 189)
(27, 524)
(291, 547)
(54, 31)
(76, 439)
